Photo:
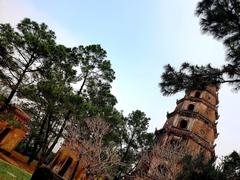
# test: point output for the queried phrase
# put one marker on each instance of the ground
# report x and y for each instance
(14, 166)
(10, 172)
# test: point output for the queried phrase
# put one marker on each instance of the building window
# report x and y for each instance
(4, 133)
(197, 94)
(191, 107)
(183, 124)
(65, 167)
(175, 140)
(175, 143)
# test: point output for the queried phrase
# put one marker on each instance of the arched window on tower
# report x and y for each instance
(183, 124)
(197, 94)
(191, 107)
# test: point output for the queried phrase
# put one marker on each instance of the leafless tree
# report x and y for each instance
(161, 163)
(95, 157)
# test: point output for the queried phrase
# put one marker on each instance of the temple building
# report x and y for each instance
(13, 128)
(66, 162)
(69, 163)
(189, 129)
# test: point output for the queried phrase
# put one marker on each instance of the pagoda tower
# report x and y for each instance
(191, 126)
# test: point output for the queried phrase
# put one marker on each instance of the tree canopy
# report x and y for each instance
(23, 52)
(197, 169)
(221, 19)
(59, 87)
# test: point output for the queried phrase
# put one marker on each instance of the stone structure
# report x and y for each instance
(191, 126)
(64, 162)
(13, 128)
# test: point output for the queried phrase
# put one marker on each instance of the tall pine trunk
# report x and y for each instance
(45, 143)
(66, 119)
(37, 141)
(15, 88)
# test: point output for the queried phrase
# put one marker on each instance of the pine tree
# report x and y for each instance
(221, 19)
(23, 51)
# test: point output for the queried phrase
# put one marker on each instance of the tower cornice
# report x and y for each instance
(188, 134)
(214, 95)
(192, 114)
(194, 99)
(205, 89)
(197, 115)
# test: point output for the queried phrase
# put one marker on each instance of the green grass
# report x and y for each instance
(10, 172)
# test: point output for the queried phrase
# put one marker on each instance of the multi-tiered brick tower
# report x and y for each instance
(191, 126)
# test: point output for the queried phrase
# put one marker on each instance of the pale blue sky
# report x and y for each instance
(140, 37)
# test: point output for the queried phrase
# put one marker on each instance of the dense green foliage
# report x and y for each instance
(58, 85)
(134, 140)
(221, 19)
(230, 166)
(198, 169)
(22, 55)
